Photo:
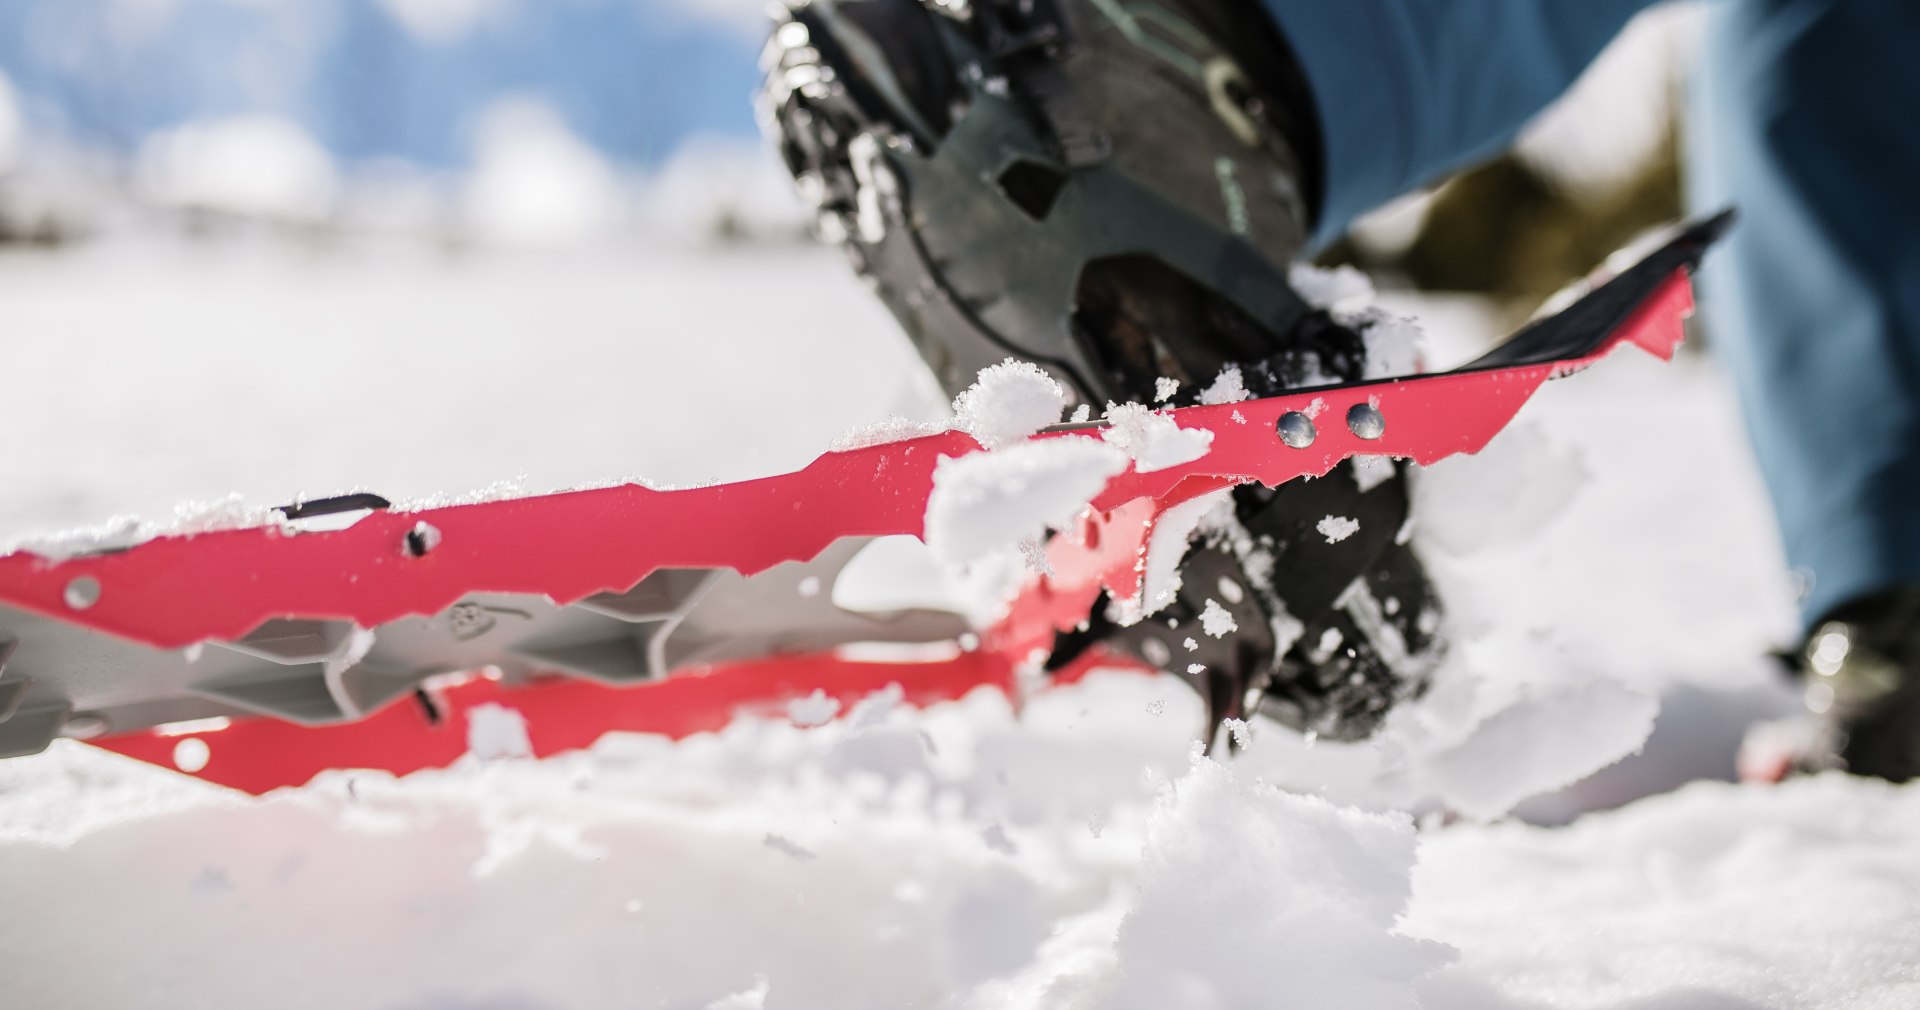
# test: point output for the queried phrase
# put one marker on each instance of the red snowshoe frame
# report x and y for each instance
(258, 657)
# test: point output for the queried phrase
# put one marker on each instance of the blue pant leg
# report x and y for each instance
(1805, 119)
(1408, 90)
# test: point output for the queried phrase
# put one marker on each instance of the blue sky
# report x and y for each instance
(632, 77)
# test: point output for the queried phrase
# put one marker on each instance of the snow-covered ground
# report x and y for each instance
(1611, 550)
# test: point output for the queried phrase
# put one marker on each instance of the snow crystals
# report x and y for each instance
(1337, 528)
(1152, 439)
(1216, 621)
(1228, 387)
(1009, 402)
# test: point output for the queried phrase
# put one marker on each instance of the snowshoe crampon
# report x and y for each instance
(258, 657)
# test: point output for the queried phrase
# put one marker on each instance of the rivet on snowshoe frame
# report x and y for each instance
(82, 592)
(1365, 421)
(1296, 429)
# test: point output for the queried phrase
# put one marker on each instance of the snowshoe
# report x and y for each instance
(1115, 191)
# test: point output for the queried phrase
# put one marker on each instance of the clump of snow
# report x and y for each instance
(1558, 734)
(1082, 414)
(1227, 387)
(536, 183)
(1166, 547)
(816, 709)
(1153, 440)
(1009, 402)
(496, 731)
(253, 166)
(1245, 890)
(1216, 621)
(1340, 288)
(1504, 495)
(1370, 472)
(1395, 344)
(989, 501)
(1337, 528)
(1164, 388)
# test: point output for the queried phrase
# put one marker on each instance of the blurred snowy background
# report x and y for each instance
(268, 248)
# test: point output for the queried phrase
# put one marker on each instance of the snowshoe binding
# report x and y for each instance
(1114, 190)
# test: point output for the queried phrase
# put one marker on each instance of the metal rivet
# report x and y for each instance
(82, 592)
(1296, 429)
(1365, 421)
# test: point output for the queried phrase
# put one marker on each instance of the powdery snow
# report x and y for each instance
(1227, 387)
(637, 873)
(1216, 621)
(893, 429)
(1153, 440)
(1337, 528)
(1009, 402)
(1339, 288)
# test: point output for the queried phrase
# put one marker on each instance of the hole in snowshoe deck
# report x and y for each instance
(1033, 187)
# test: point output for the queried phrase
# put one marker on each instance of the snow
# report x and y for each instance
(815, 709)
(1337, 528)
(1009, 402)
(1216, 621)
(1501, 497)
(496, 731)
(954, 856)
(1227, 387)
(1340, 288)
(1244, 889)
(988, 501)
(1167, 546)
(1164, 388)
(1370, 472)
(1153, 440)
(893, 429)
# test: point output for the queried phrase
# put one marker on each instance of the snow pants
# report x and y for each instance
(1806, 116)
